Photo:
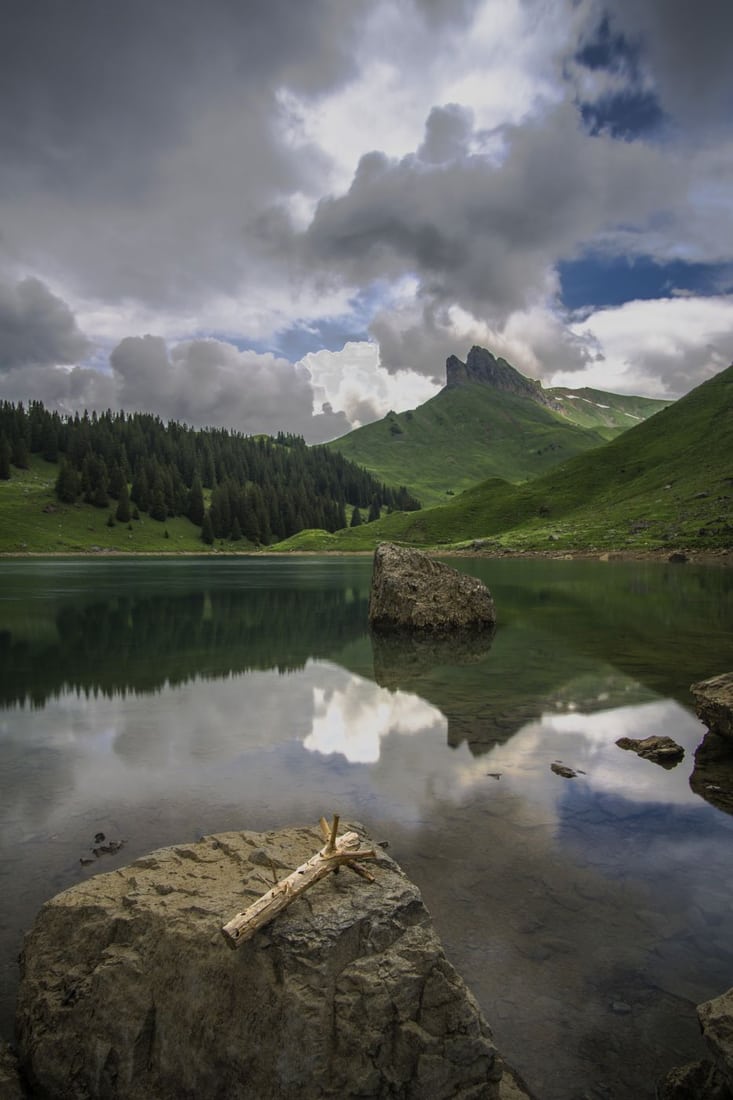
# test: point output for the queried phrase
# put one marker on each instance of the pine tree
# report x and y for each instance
(207, 531)
(68, 483)
(123, 505)
(356, 518)
(4, 458)
(20, 455)
(374, 509)
(196, 502)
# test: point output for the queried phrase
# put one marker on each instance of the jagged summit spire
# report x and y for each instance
(483, 367)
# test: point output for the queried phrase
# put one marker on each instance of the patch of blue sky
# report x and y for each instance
(627, 114)
(332, 333)
(596, 281)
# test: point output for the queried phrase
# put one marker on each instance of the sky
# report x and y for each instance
(286, 215)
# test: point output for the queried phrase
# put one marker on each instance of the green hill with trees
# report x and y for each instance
(666, 483)
(488, 421)
(131, 482)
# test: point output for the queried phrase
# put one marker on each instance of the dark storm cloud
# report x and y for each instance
(90, 87)
(684, 49)
(36, 327)
(482, 232)
(138, 140)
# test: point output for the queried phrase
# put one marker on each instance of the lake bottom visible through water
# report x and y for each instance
(161, 701)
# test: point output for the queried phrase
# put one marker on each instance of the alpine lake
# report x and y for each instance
(157, 700)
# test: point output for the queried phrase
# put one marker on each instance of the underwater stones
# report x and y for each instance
(411, 591)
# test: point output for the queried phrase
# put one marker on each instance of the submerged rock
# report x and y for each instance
(695, 1081)
(412, 591)
(712, 776)
(11, 1087)
(563, 770)
(714, 703)
(661, 750)
(128, 989)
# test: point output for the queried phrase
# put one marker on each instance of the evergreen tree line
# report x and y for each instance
(261, 488)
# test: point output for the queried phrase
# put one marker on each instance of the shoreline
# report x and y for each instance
(722, 557)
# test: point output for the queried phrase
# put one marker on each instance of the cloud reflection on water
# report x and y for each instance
(354, 719)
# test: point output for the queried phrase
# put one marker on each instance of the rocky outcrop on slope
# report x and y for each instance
(413, 592)
(129, 990)
(714, 703)
(482, 366)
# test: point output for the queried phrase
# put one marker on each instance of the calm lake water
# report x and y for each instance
(158, 700)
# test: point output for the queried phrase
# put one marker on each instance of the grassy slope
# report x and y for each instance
(71, 528)
(667, 482)
(462, 436)
(608, 413)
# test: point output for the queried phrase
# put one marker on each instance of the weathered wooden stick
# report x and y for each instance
(334, 830)
(242, 927)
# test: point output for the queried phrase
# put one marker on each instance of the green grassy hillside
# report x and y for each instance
(32, 520)
(668, 482)
(608, 413)
(473, 431)
(462, 436)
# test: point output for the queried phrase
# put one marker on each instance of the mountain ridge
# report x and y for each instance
(488, 421)
(659, 486)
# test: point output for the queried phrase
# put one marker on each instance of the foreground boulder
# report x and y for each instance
(716, 1021)
(707, 1080)
(714, 703)
(128, 989)
(412, 591)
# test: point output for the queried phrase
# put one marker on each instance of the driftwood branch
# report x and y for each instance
(337, 852)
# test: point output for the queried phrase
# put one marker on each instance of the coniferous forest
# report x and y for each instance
(233, 486)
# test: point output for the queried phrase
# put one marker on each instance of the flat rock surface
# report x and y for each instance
(412, 591)
(714, 703)
(128, 989)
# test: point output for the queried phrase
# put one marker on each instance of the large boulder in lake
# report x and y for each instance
(129, 990)
(714, 703)
(412, 591)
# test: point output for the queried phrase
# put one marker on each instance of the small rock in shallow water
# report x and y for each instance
(560, 769)
(661, 750)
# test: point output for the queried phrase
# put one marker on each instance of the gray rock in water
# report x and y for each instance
(716, 1021)
(714, 703)
(128, 989)
(661, 750)
(412, 591)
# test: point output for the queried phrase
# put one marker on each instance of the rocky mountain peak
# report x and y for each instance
(483, 367)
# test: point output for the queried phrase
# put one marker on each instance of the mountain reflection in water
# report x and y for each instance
(157, 701)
